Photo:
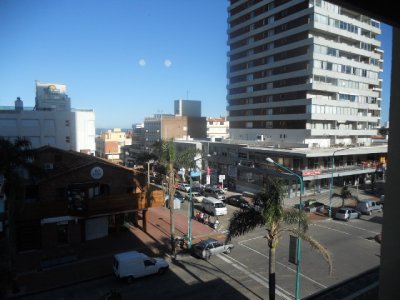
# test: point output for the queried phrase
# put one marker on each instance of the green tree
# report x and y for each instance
(344, 194)
(171, 160)
(15, 158)
(383, 131)
(277, 221)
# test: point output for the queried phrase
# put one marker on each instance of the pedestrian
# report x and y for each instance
(206, 219)
(216, 223)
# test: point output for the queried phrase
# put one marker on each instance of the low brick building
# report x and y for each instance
(80, 198)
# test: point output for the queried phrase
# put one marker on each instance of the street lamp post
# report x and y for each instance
(190, 206)
(300, 207)
(331, 183)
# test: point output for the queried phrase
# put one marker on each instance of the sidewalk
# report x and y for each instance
(323, 197)
(96, 260)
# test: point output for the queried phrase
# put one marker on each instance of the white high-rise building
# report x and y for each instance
(51, 122)
(303, 72)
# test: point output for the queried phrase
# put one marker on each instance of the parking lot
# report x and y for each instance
(352, 245)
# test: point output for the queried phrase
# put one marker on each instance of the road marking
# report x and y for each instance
(255, 238)
(370, 231)
(257, 277)
(333, 229)
(347, 224)
(285, 266)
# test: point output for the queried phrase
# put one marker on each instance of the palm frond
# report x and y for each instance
(244, 221)
(295, 216)
(336, 195)
(316, 246)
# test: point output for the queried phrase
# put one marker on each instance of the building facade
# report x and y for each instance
(80, 199)
(304, 72)
(51, 122)
(110, 143)
(217, 128)
(164, 127)
(190, 108)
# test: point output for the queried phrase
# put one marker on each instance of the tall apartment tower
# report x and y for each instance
(303, 72)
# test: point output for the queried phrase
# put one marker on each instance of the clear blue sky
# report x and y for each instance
(126, 59)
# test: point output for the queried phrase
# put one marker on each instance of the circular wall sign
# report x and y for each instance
(96, 172)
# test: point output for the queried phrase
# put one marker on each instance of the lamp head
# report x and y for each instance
(270, 160)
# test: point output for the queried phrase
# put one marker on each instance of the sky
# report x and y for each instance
(126, 59)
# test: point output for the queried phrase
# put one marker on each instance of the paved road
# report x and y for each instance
(351, 244)
(244, 273)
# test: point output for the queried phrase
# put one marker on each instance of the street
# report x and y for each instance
(243, 274)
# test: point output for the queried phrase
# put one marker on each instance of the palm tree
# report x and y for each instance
(276, 221)
(345, 193)
(168, 157)
(170, 160)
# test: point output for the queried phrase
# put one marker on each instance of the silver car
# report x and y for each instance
(206, 248)
(347, 213)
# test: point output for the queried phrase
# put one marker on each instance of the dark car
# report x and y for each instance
(206, 248)
(238, 201)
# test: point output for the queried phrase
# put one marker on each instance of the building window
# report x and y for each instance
(67, 123)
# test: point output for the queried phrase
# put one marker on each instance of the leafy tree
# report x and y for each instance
(15, 158)
(276, 221)
(383, 131)
(344, 194)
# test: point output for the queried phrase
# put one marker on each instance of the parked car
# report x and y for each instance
(133, 264)
(368, 207)
(347, 213)
(196, 197)
(184, 187)
(206, 248)
(238, 201)
(215, 192)
(197, 189)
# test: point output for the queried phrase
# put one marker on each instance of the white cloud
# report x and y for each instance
(167, 63)
(142, 62)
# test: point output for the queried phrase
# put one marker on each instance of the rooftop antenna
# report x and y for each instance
(187, 94)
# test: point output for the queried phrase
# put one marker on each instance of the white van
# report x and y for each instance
(133, 264)
(368, 207)
(214, 206)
